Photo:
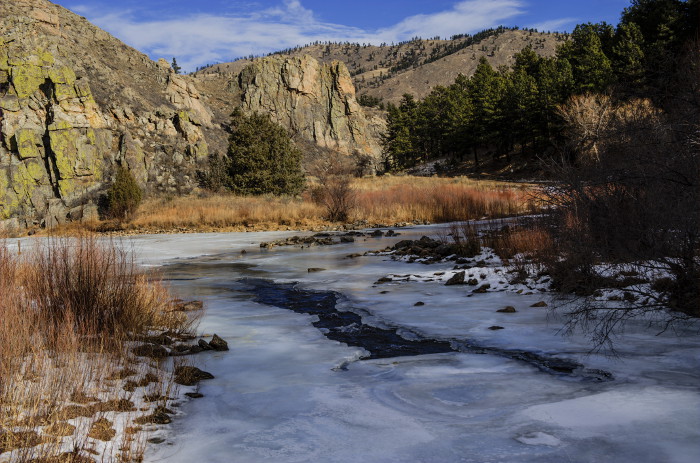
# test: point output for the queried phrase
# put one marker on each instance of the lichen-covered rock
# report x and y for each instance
(74, 103)
(314, 101)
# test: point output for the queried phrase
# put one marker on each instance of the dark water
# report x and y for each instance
(348, 327)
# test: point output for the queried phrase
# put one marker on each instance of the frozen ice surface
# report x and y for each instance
(279, 395)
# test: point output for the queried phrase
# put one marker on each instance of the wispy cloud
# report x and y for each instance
(554, 24)
(204, 38)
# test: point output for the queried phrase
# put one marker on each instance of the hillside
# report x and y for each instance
(389, 71)
(76, 103)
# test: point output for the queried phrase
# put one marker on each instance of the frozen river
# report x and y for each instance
(286, 392)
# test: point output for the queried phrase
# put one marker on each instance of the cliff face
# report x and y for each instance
(75, 102)
(314, 101)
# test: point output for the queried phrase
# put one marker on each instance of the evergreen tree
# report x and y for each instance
(518, 112)
(591, 67)
(485, 89)
(262, 158)
(175, 66)
(627, 53)
(459, 117)
(399, 149)
(124, 196)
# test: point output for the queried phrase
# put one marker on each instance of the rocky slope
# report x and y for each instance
(415, 67)
(76, 102)
(315, 101)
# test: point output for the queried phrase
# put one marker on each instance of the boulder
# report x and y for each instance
(150, 350)
(482, 289)
(456, 279)
(218, 344)
(507, 309)
(189, 376)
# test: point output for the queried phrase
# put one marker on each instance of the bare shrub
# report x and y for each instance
(466, 238)
(93, 286)
(627, 202)
(67, 310)
(334, 191)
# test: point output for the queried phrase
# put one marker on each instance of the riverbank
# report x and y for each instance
(92, 353)
(387, 201)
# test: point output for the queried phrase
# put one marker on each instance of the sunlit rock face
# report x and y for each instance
(315, 101)
(74, 103)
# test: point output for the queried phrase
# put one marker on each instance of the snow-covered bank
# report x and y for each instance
(278, 395)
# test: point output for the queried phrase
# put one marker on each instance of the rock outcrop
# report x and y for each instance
(314, 101)
(74, 103)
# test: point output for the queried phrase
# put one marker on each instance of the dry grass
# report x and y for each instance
(69, 310)
(528, 241)
(377, 200)
(409, 199)
(227, 211)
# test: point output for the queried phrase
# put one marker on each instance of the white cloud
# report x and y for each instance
(464, 17)
(204, 38)
(554, 25)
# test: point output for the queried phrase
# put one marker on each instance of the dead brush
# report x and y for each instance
(523, 247)
(439, 202)
(69, 309)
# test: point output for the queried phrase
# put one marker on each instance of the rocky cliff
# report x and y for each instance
(76, 102)
(315, 101)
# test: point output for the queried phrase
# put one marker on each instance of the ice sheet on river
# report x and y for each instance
(279, 397)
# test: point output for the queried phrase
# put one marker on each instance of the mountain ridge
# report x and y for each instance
(388, 71)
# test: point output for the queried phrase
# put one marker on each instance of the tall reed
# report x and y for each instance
(68, 311)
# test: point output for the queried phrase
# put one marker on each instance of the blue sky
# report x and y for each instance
(210, 31)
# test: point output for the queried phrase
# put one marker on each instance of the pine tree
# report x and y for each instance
(399, 149)
(628, 57)
(591, 67)
(262, 158)
(124, 196)
(485, 90)
(175, 66)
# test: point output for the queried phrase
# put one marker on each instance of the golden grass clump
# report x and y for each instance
(70, 309)
(376, 200)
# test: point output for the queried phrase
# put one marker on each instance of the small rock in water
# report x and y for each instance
(218, 344)
(194, 395)
(507, 309)
(196, 349)
(188, 306)
(189, 376)
(315, 269)
(383, 280)
(419, 303)
(482, 289)
(202, 344)
(457, 279)
(496, 327)
(539, 304)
